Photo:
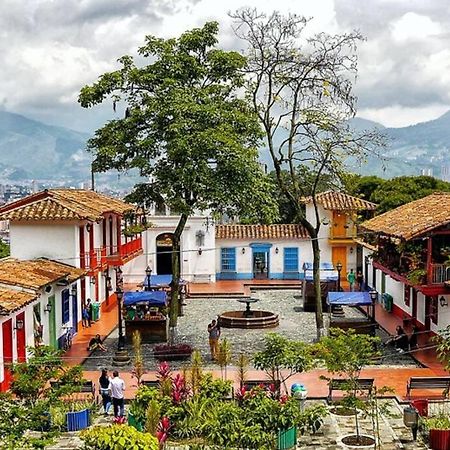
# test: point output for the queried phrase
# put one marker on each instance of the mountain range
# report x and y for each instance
(32, 150)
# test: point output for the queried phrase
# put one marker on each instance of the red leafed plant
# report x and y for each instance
(179, 389)
(162, 432)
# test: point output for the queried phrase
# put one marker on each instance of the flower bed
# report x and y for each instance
(166, 352)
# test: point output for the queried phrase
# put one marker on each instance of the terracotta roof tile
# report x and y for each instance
(338, 201)
(12, 300)
(288, 231)
(63, 204)
(413, 219)
(37, 273)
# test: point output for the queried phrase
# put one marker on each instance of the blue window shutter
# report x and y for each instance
(228, 259)
(65, 303)
(291, 259)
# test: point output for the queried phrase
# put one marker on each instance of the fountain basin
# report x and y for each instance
(241, 319)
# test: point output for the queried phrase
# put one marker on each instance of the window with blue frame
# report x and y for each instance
(228, 259)
(291, 259)
(65, 302)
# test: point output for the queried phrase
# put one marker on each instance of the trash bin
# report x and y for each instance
(299, 392)
(95, 311)
(421, 406)
(388, 302)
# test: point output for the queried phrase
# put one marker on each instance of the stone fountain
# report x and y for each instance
(248, 318)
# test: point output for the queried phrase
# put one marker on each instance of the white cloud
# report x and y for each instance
(50, 49)
(399, 116)
(412, 26)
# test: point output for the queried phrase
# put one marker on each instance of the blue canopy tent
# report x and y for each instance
(327, 272)
(145, 315)
(152, 298)
(157, 281)
(349, 298)
(360, 325)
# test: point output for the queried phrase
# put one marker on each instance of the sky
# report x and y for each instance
(52, 48)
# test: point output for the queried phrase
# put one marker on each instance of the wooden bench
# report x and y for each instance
(150, 383)
(86, 387)
(428, 383)
(342, 384)
(202, 278)
(250, 384)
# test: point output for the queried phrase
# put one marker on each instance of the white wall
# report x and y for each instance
(443, 316)
(192, 263)
(48, 240)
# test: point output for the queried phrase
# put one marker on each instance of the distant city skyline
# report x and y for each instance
(52, 48)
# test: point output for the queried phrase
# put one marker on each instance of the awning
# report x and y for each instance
(159, 281)
(349, 298)
(152, 298)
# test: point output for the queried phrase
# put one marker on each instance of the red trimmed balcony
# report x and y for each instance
(113, 255)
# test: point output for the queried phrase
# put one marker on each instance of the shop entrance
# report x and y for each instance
(164, 247)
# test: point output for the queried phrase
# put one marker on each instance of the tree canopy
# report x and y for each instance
(390, 194)
(301, 89)
(185, 128)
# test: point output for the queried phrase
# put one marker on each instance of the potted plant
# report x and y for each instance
(439, 431)
(167, 352)
(345, 353)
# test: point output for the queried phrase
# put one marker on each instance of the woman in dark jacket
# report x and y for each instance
(104, 390)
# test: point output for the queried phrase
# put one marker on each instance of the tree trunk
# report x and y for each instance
(317, 288)
(175, 285)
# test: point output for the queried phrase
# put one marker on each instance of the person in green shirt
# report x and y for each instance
(351, 278)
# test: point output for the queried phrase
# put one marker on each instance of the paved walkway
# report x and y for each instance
(384, 376)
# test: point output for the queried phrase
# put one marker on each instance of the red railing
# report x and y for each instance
(110, 255)
(131, 247)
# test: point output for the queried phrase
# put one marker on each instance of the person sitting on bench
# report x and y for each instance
(95, 343)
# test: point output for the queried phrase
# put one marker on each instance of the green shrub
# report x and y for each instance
(214, 388)
(118, 437)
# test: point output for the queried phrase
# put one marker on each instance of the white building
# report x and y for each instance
(38, 302)
(409, 260)
(212, 252)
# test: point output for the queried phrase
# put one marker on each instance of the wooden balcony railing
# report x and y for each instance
(110, 255)
(440, 273)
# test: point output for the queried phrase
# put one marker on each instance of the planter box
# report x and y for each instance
(134, 423)
(78, 420)
(440, 439)
(287, 439)
(172, 353)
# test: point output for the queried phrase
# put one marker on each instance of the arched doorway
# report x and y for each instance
(164, 246)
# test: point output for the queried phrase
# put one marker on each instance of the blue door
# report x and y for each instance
(261, 260)
(74, 311)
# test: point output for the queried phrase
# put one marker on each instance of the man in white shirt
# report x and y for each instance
(117, 388)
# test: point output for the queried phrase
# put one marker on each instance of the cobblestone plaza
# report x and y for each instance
(294, 324)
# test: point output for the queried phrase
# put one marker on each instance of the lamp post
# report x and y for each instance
(373, 296)
(148, 272)
(119, 294)
(339, 268)
(121, 357)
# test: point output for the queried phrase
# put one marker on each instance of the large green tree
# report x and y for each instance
(185, 128)
(301, 89)
(392, 193)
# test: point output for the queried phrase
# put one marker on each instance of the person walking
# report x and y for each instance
(351, 278)
(360, 280)
(85, 316)
(103, 382)
(116, 388)
(89, 309)
(214, 334)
